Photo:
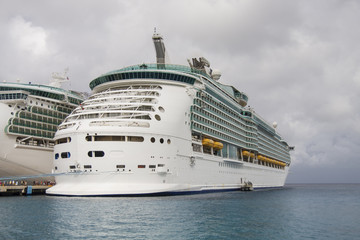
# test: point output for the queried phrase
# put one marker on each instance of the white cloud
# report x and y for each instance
(28, 37)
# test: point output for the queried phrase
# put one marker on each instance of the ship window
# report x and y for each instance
(90, 154)
(152, 166)
(72, 166)
(65, 155)
(196, 147)
(152, 139)
(56, 156)
(63, 140)
(87, 166)
(120, 166)
(141, 166)
(88, 138)
(157, 117)
(168, 141)
(161, 109)
(135, 139)
(99, 153)
(207, 149)
(109, 138)
(161, 165)
(161, 140)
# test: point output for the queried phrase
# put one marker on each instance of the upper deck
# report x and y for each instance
(41, 91)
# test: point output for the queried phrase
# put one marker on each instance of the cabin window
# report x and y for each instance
(96, 153)
(109, 138)
(135, 139)
(99, 153)
(196, 147)
(65, 155)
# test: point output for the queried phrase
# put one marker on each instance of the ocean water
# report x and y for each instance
(325, 211)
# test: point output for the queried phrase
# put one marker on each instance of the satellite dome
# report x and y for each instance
(275, 124)
(216, 74)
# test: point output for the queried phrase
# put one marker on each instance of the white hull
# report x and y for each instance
(184, 171)
(17, 159)
(118, 183)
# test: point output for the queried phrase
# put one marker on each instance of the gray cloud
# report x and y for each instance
(297, 60)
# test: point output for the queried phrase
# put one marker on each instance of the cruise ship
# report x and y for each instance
(162, 129)
(31, 114)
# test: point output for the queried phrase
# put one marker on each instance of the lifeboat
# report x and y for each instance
(218, 145)
(246, 153)
(208, 142)
(262, 158)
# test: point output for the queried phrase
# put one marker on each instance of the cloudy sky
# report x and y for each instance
(299, 61)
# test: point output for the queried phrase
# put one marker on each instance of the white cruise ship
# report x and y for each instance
(31, 114)
(155, 129)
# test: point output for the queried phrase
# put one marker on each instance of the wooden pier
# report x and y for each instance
(23, 190)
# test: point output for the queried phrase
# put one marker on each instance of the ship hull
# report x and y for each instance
(18, 159)
(145, 170)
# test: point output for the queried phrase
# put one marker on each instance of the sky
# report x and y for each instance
(298, 61)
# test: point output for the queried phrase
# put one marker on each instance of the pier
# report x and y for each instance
(23, 190)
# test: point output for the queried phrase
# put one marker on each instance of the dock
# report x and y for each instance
(23, 190)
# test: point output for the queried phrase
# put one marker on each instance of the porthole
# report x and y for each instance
(168, 141)
(65, 155)
(96, 153)
(99, 154)
(161, 109)
(157, 117)
(161, 140)
(152, 139)
(56, 156)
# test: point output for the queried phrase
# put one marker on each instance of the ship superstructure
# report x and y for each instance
(31, 114)
(164, 129)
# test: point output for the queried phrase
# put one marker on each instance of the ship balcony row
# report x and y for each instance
(20, 130)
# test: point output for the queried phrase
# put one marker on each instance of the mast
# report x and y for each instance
(159, 48)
